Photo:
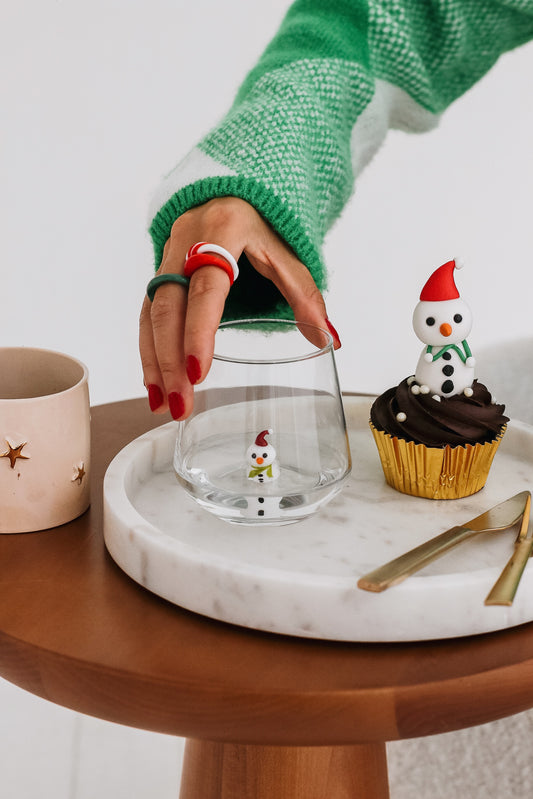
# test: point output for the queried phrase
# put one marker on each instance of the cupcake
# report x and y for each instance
(437, 432)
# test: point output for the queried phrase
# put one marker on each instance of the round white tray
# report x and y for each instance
(302, 579)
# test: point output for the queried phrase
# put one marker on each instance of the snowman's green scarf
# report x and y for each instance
(462, 355)
(255, 472)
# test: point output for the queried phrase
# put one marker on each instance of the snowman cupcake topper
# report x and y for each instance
(442, 320)
(261, 457)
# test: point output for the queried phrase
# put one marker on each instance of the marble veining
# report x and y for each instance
(301, 579)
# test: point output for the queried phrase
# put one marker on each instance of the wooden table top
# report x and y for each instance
(76, 630)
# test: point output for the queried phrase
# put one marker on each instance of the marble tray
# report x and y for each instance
(302, 579)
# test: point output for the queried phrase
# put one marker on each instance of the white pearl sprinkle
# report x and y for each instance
(401, 417)
(415, 389)
(468, 392)
(424, 389)
(411, 380)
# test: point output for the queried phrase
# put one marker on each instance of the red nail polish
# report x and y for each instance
(194, 371)
(155, 397)
(176, 404)
(336, 339)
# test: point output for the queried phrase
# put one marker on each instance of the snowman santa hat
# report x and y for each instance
(440, 286)
(260, 440)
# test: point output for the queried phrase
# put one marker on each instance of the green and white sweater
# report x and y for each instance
(317, 106)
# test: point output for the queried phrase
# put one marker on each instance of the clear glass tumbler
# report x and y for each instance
(267, 441)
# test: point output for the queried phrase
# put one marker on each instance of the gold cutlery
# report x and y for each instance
(500, 517)
(504, 589)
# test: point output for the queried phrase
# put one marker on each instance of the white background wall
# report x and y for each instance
(100, 98)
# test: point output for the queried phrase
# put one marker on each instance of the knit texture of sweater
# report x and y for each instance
(311, 114)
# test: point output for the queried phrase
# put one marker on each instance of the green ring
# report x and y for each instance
(158, 280)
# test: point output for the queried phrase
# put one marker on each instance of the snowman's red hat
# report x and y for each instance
(260, 440)
(441, 285)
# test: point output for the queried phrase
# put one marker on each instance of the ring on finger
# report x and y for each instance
(198, 260)
(165, 277)
(203, 247)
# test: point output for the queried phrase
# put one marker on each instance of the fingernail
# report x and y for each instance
(155, 397)
(193, 369)
(176, 405)
(336, 339)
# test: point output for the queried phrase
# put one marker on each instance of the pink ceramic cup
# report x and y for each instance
(44, 439)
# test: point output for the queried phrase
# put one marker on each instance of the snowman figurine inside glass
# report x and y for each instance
(266, 442)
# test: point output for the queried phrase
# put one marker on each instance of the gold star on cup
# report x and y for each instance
(14, 453)
(80, 473)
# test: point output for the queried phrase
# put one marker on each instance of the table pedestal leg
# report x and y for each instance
(231, 771)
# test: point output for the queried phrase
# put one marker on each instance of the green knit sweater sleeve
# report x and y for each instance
(311, 114)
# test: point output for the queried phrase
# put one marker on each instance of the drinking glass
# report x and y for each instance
(266, 442)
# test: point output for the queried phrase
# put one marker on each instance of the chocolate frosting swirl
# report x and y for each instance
(453, 421)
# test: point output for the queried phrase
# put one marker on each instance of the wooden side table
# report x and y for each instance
(264, 715)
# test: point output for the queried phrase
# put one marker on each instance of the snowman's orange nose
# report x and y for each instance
(259, 461)
(445, 329)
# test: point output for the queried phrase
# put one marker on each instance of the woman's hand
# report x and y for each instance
(177, 330)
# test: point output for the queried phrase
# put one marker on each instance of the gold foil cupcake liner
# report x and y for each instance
(435, 473)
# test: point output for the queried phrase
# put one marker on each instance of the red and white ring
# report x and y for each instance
(203, 247)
